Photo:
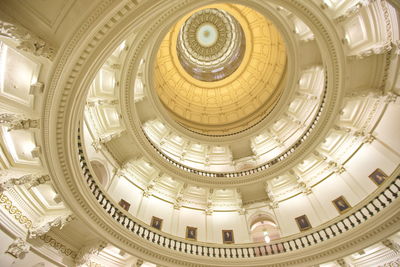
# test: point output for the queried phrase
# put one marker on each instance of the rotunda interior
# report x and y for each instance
(199, 133)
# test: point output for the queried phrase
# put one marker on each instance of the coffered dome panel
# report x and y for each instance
(229, 86)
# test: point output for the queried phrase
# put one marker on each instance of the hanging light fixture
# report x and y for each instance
(267, 239)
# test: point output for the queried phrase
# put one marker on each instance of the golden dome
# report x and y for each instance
(244, 96)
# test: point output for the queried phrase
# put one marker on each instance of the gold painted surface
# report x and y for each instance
(236, 102)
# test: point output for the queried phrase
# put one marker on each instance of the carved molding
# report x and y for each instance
(47, 239)
(7, 204)
(27, 41)
(44, 227)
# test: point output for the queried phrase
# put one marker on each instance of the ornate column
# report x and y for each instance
(27, 41)
(18, 249)
(86, 252)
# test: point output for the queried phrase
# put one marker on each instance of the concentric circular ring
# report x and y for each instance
(211, 45)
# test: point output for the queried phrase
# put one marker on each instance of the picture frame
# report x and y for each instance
(227, 237)
(156, 222)
(303, 223)
(191, 233)
(378, 176)
(341, 204)
(124, 204)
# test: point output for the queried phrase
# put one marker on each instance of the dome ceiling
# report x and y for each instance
(220, 69)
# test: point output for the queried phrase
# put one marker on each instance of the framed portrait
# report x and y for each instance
(341, 204)
(303, 223)
(156, 222)
(378, 176)
(124, 204)
(191, 233)
(227, 237)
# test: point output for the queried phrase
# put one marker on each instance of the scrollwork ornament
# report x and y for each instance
(13, 210)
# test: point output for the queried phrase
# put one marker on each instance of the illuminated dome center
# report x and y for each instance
(211, 45)
(207, 35)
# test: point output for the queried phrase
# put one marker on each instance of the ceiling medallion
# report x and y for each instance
(211, 45)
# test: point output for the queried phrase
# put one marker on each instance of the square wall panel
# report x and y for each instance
(20, 144)
(17, 74)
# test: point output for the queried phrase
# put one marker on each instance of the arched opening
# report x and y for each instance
(100, 171)
(263, 228)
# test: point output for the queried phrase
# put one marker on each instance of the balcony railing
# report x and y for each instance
(262, 167)
(312, 237)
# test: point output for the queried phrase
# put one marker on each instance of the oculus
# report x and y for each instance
(211, 45)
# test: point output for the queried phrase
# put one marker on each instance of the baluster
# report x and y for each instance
(301, 242)
(143, 232)
(158, 241)
(308, 240)
(259, 251)
(345, 226)
(394, 194)
(327, 235)
(320, 236)
(242, 252)
(388, 199)
(265, 250)
(148, 235)
(376, 208)
(363, 214)
(231, 253)
(213, 252)
(219, 252)
(290, 246)
(283, 247)
(357, 219)
(295, 244)
(175, 248)
(351, 222)
(180, 245)
(202, 250)
(248, 252)
(337, 226)
(314, 239)
(208, 251)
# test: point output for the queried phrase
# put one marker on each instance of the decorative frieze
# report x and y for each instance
(47, 239)
(18, 122)
(27, 41)
(13, 210)
(47, 225)
(32, 180)
(352, 11)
